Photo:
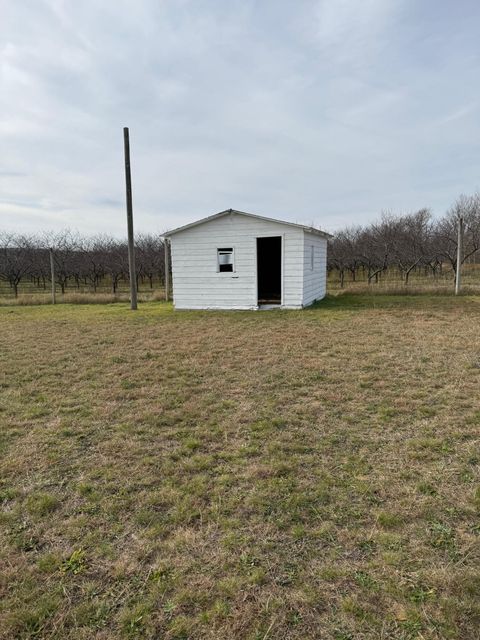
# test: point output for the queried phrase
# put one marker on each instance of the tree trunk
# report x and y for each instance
(373, 275)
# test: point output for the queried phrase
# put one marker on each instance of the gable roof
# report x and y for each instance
(167, 234)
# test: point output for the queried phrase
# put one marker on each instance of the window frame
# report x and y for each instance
(223, 251)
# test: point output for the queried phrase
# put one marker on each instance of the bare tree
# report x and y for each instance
(467, 207)
(65, 250)
(150, 257)
(411, 241)
(15, 259)
(116, 262)
(343, 253)
(375, 246)
(92, 259)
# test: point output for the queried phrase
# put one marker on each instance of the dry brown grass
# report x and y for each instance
(391, 282)
(28, 299)
(271, 475)
(399, 289)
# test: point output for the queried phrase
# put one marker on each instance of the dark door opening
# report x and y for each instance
(269, 270)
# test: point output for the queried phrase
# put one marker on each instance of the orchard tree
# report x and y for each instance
(446, 234)
(411, 241)
(15, 259)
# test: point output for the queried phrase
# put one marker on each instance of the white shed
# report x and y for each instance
(237, 260)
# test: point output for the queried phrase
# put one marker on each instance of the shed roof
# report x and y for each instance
(167, 234)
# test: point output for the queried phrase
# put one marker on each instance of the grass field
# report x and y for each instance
(270, 475)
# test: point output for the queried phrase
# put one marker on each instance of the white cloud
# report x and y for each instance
(348, 24)
(327, 111)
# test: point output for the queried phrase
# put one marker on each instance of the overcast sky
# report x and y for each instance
(315, 111)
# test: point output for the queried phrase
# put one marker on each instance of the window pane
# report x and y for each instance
(225, 259)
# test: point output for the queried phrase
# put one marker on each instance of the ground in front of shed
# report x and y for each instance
(304, 474)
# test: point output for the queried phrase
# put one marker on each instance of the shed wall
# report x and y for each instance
(198, 285)
(314, 280)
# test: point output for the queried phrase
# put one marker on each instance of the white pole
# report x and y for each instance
(52, 274)
(458, 275)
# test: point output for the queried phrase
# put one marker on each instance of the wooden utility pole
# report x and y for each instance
(167, 270)
(131, 246)
(458, 275)
(52, 274)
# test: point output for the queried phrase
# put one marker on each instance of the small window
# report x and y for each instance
(225, 259)
(312, 257)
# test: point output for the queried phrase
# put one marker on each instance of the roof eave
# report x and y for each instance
(215, 216)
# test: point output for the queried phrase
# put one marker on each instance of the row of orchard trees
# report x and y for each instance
(407, 243)
(402, 242)
(79, 262)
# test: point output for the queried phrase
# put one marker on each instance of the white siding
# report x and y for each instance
(314, 280)
(198, 285)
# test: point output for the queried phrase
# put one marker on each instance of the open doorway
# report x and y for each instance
(269, 270)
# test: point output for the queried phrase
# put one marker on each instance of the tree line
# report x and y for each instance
(79, 262)
(407, 243)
